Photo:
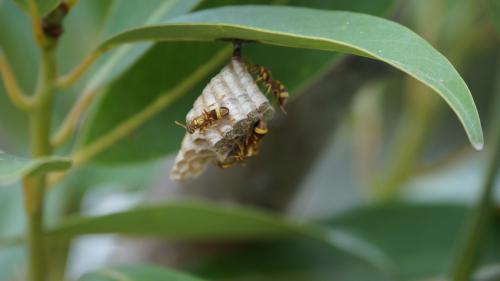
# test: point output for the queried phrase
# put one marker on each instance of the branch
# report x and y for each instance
(70, 78)
(13, 90)
(35, 186)
(69, 124)
(36, 23)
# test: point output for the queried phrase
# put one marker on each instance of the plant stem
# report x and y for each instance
(65, 131)
(72, 200)
(34, 187)
(16, 95)
(467, 250)
(79, 70)
(36, 23)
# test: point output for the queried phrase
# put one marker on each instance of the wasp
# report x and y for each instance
(252, 142)
(206, 119)
(249, 146)
(275, 87)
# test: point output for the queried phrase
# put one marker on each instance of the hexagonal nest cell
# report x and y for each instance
(234, 88)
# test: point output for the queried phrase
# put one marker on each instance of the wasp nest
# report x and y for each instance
(235, 90)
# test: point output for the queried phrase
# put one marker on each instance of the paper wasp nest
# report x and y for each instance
(235, 89)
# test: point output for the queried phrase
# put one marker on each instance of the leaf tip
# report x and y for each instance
(478, 146)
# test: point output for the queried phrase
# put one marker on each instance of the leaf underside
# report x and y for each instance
(165, 66)
(339, 31)
(204, 221)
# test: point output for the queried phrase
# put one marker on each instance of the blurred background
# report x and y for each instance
(364, 148)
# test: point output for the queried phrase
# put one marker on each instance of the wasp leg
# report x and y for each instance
(180, 124)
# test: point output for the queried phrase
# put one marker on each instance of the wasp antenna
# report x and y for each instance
(180, 124)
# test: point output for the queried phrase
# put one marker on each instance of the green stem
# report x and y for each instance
(34, 188)
(467, 252)
(72, 200)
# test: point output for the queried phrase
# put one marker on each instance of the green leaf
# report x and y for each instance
(150, 78)
(204, 221)
(494, 10)
(131, 14)
(137, 273)
(44, 6)
(285, 261)
(184, 220)
(344, 32)
(13, 168)
(419, 239)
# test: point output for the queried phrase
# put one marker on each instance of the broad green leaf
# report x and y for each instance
(137, 273)
(129, 14)
(418, 238)
(344, 32)
(204, 221)
(149, 78)
(13, 168)
(44, 6)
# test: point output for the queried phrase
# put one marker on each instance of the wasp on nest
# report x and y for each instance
(228, 120)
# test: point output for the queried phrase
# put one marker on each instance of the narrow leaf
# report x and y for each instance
(150, 78)
(137, 273)
(188, 221)
(13, 168)
(338, 31)
(183, 220)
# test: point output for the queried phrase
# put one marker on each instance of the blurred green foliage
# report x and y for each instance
(397, 142)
